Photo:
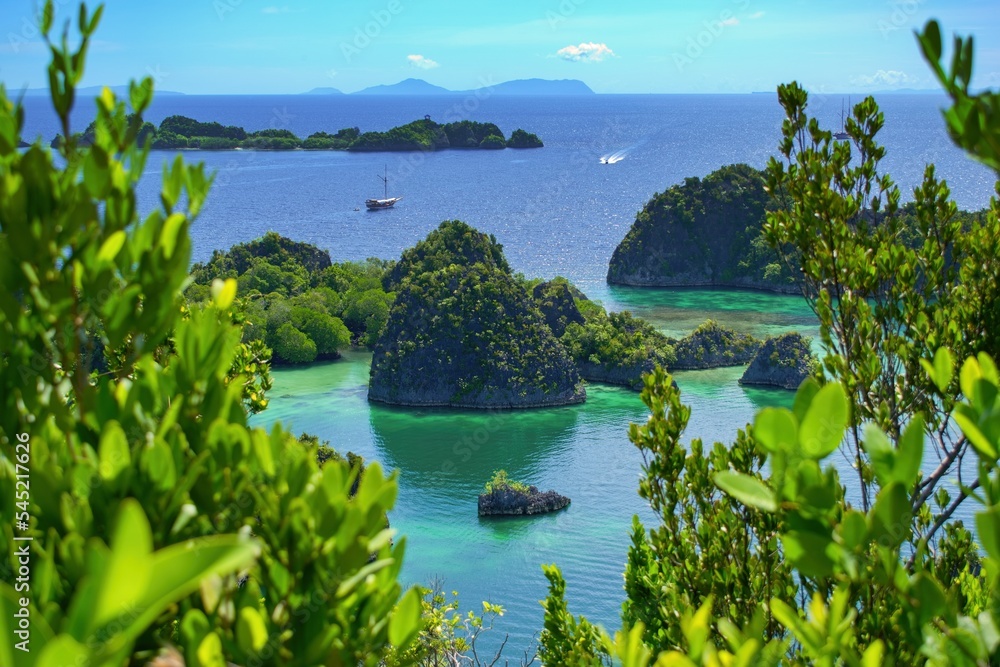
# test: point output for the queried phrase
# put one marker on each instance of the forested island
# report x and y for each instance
(181, 132)
(709, 232)
(449, 323)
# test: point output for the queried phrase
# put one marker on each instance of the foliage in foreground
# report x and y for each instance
(896, 580)
(156, 515)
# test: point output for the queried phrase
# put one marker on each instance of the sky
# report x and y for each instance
(614, 46)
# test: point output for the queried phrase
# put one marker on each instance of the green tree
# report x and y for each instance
(327, 333)
(895, 580)
(292, 346)
(145, 482)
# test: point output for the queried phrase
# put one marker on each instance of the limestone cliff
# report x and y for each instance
(703, 232)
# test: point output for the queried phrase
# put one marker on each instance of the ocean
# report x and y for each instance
(557, 211)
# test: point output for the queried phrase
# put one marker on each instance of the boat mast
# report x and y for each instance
(385, 181)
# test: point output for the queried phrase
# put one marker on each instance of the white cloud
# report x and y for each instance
(731, 21)
(756, 15)
(421, 62)
(275, 10)
(590, 52)
(882, 77)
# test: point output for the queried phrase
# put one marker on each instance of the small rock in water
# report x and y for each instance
(507, 501)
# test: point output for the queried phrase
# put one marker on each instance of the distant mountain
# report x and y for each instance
(406, 87)
(542, 87)
(93, 91)
(327, 90)
(537, 87)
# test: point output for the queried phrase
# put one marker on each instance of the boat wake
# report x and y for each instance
(617, 156)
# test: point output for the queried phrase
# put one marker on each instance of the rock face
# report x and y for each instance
(508, 501)
(784, 361)
(468, 335)
(704, 232)
(712, 346)
(555, 300)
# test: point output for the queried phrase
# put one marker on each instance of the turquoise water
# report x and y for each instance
(445, 456)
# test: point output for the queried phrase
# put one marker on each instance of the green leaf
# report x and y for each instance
(931, 39)
(988, 527)
(171, 233)
(210, 652)
(111, 247)
(880, 452)
(223, 293)
(776, 430)
(748, 490)
(96, 174)
(911, 452)
(822, 429)
(804, 397)
(113, 454)
(965, 417)
(944, 368)
(930, 597)
(853, 529)
(890, 518)
(127, 569)
(967, 379)
(251, 632)
(809, 551)
(405, 621)
(62, 651)
(874, 655)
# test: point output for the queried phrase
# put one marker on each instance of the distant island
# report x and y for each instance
(536, 87)
(181, 132)
(416, 87)
(328, 90)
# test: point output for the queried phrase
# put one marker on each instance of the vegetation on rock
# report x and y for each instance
(503, 496)
(617, 348)
(782, 361)
(463, 332)
(556, 299)
(454, 242)
(500, 481)
(703, 232)
(521, 139)
(421, 135)
(296, 301)
(712, 345)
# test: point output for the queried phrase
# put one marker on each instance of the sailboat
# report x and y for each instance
(387, 202)
(843, 124)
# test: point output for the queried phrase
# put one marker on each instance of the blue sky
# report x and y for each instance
(625, 46)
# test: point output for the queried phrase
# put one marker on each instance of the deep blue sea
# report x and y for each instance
(557, 211)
